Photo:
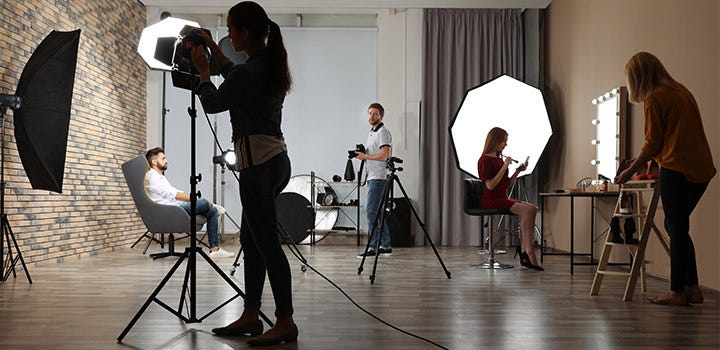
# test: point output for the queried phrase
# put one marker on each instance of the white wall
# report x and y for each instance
(400, 88)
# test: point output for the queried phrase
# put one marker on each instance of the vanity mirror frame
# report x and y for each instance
(611, 131)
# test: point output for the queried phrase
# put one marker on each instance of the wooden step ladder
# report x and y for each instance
(644, 217)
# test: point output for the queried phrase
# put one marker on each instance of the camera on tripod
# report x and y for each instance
(390, 163)
(358, 148)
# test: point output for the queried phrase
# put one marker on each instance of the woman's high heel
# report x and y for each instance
(525, 260)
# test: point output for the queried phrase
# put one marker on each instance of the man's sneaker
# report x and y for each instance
(369, 253)
(385, 251)
(221, 211)
(221, 253)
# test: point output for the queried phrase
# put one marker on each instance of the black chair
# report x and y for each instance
(473, 191)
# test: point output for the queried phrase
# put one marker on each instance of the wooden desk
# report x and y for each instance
(593, 196)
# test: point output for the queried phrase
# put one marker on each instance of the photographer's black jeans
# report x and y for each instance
(259, 188)
(679, 198)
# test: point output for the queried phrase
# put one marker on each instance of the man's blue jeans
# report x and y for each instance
(375, 191)
(204, 208)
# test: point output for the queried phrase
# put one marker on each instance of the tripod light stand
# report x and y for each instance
(225, 160)
(150, 49)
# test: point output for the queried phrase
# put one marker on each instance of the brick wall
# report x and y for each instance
(95, 212)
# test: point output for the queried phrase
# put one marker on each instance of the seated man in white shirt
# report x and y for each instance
(159, 189)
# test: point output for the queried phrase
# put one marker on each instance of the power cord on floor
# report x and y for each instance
(304, 261)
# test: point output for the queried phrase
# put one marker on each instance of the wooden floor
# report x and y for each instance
(87, 303)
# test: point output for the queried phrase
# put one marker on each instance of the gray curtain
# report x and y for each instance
(463, 48)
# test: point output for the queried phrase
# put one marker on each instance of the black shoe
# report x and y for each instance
(253, 329)
(385, 251)
(367, 254)
(525, 262)
(615, 231)
(290, 336)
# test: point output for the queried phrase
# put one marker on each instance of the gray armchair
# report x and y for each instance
(158, 218)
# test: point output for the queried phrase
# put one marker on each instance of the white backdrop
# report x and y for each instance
(334, 80)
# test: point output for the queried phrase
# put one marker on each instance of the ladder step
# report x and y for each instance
(613, 273)
(625, 244)
(629, 215)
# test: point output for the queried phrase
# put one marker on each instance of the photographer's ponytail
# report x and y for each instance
(277, 70)
(251, 16)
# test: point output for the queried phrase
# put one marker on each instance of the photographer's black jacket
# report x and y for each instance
(255, 115)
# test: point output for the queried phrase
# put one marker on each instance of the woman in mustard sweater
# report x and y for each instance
(675, 138)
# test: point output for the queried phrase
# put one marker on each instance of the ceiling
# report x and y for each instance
(336, 6)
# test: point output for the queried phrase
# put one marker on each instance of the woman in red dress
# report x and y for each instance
(493, 171)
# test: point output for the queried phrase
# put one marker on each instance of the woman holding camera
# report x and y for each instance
(254, 92)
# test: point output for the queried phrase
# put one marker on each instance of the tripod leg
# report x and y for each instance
(422, 226)
(183, 293)
(232, 284)
(293, 247)
(372, 233)
(377, 244)
(236, 263)
(139, 239)
(8, 229)
(152, 298)
(381, 215)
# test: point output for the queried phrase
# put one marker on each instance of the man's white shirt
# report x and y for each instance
(378, 137)
(159, 189)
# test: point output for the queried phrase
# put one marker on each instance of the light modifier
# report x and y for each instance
(507, 103)
(169, 27)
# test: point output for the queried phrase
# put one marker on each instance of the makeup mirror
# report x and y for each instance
(611, 130)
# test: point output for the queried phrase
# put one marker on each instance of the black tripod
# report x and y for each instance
(382, 211)
(189, 283)
(7, 263)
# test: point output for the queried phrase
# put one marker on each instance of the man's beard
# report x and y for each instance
(163, 167)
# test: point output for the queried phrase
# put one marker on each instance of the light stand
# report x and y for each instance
(226, 159)
(189, 283)
(384, 208)
(6, 234)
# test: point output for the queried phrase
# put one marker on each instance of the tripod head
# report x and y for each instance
(390, 164)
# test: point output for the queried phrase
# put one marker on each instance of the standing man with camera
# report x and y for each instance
(378, 149)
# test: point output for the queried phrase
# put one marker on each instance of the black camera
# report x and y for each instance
(358, 148)
(178, 54)
(190, 41)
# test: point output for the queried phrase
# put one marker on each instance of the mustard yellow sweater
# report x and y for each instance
(674, 134)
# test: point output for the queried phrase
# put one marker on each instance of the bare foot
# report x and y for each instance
(671, 298)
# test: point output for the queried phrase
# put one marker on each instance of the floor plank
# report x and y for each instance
(85, 304)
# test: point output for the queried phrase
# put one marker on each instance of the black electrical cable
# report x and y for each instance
(304, 262)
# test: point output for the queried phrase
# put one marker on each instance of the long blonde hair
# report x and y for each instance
(644, 73)
(494, 137)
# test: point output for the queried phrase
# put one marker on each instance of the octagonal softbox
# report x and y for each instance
(507, 103)
(41, 124)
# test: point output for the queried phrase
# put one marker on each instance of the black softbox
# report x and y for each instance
(41, 124)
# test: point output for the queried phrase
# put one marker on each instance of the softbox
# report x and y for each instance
(41, 124)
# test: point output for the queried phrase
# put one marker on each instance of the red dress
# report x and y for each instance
(488, 167)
